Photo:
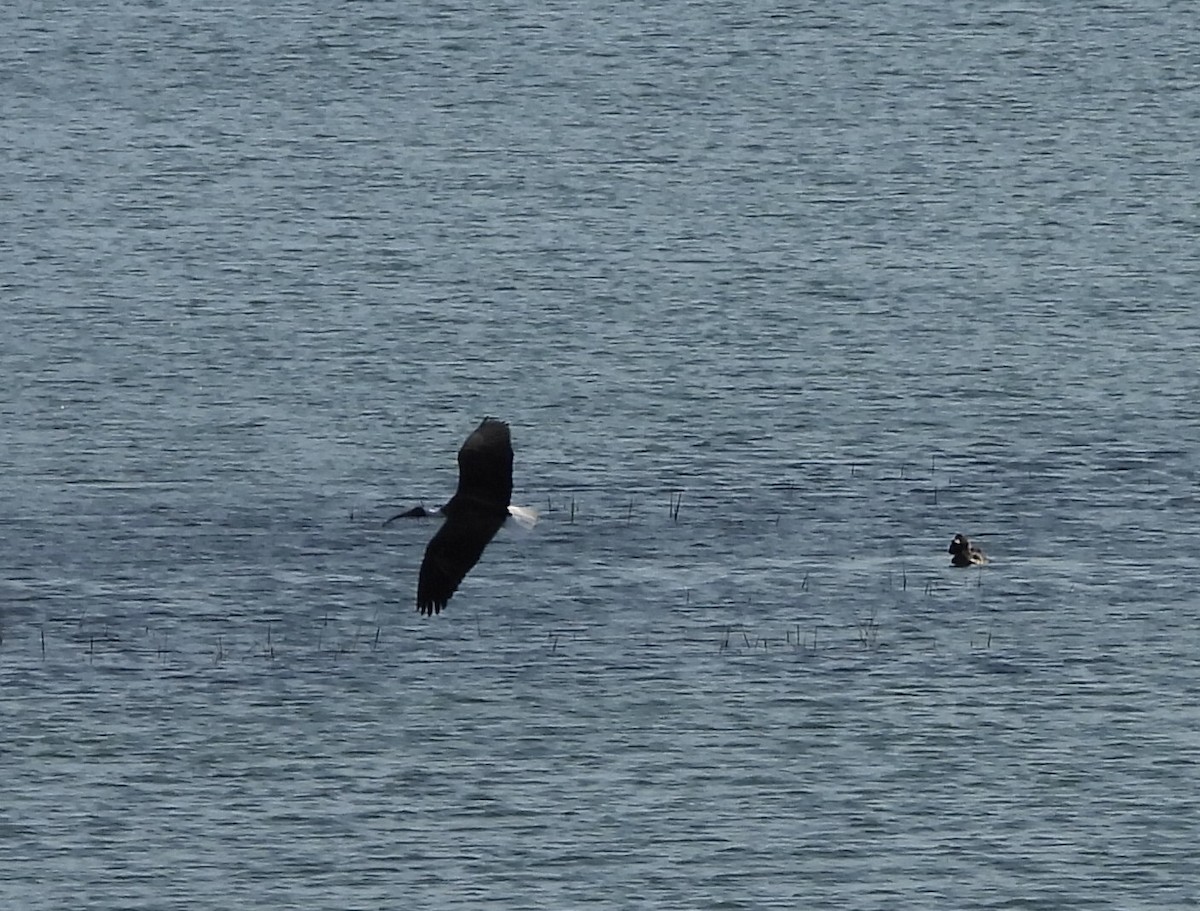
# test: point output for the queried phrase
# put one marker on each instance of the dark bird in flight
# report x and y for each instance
(473, 516)
(964, 553)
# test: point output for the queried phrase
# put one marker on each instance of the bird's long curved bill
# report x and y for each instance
(526, 516)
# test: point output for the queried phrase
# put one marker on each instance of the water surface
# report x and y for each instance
(844, 282)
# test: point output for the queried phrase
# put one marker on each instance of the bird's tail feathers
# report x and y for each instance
(526, 516)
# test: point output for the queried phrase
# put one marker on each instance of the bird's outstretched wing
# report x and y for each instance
(485, 465)
(417, 512)
(451, 553)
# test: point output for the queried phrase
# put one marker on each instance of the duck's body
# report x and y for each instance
(964, 553)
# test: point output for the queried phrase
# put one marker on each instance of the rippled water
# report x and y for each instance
(837, 285)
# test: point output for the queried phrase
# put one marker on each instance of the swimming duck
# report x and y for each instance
(965, 553)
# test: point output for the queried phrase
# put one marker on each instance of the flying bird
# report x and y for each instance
(474, 514)
(964, 553)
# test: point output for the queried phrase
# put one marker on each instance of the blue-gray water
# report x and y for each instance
(848, 280)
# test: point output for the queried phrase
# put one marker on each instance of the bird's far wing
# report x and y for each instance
(416, 512)
(451, 553)
(485, 465)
